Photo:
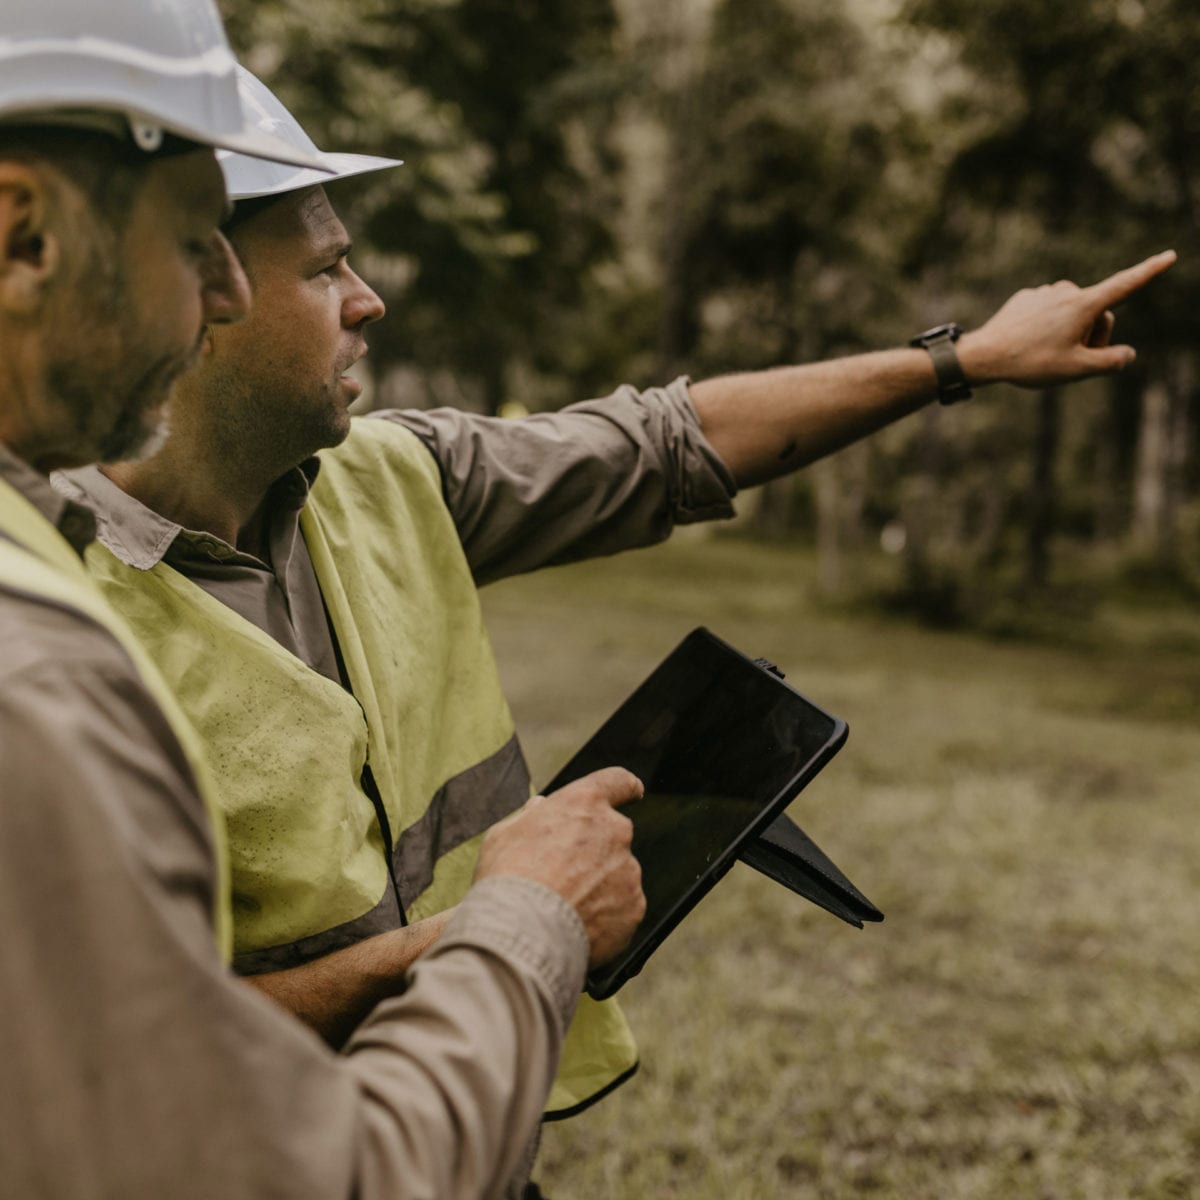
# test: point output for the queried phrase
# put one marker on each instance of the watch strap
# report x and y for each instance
(951, 379)
(951, 382)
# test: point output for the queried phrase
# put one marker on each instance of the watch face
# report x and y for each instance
(951, 329)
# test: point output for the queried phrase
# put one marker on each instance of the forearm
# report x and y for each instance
(491, 1075)
(334, 994)
(767, 423)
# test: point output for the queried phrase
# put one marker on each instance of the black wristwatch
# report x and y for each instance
(939, 341)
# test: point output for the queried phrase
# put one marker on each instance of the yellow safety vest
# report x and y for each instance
(39, 562)
(348, 813)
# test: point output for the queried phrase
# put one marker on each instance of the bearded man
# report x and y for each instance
(135, 1064)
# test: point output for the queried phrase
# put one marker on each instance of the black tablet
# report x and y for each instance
(722, 745)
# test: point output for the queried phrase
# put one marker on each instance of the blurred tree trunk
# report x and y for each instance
(1162, 454)
(830, 564)
(1043, 499)
(492, 376)
(1150, 483)
(841, 495)
(1116, 454)
(773, 508)
(686, 110)
(928, 589)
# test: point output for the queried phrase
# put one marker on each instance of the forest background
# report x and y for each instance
(1000, 597)
(601, 191)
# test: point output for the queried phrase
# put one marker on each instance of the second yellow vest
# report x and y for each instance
(344, 810)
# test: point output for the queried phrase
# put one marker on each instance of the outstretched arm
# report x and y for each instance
(767, 423)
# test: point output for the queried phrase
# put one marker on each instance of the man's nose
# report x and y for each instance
(362, 306)
(226, 290)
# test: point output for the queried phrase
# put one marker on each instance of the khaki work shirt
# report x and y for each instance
(135, 1065)
(593, 479)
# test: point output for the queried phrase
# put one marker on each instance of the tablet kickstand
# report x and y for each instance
(785, 853)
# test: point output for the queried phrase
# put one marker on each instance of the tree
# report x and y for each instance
(488, 235)
(1073, 144)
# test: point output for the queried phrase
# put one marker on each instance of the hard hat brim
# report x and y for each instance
(255, 144)
(330, 167)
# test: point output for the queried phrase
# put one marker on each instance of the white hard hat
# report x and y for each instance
(164, 68)
(247, 178)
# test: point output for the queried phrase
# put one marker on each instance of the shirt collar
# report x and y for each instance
(73, 521)
(141, 538)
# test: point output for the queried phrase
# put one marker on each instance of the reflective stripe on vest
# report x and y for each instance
(427, 716)
(37, 561)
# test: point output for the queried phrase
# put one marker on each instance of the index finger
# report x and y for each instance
(614, 784)
(1124, 283)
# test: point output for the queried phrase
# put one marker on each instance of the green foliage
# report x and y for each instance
(495, 222)
(603, 192)
(781, 138)
(1062, 165)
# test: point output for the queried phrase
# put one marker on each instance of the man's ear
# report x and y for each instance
(30, 253)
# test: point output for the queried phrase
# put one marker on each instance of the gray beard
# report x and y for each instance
(76, 388)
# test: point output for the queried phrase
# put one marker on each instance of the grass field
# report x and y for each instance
(1026, 1023)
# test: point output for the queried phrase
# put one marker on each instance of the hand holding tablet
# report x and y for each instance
(576, 842)
(722, 745)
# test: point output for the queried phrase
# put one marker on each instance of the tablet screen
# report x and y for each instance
(721, 745)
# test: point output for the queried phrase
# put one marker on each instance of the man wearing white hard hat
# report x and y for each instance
(359, 768)
(338, 591)
(135, 1064)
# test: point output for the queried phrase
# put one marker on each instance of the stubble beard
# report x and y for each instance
(264, 426)
(134, 436)
(135, 424)
(92, 374)
(130, 438)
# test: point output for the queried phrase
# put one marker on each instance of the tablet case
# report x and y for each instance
(785, 853)
(781, 850)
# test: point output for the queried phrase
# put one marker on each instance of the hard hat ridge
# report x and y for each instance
(166, 68)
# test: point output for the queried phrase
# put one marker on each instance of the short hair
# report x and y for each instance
(243, 210)
(107, 169)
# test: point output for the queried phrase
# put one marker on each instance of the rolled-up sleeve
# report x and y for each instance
(491, 1077)
(592, 479)
(136, 1065)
